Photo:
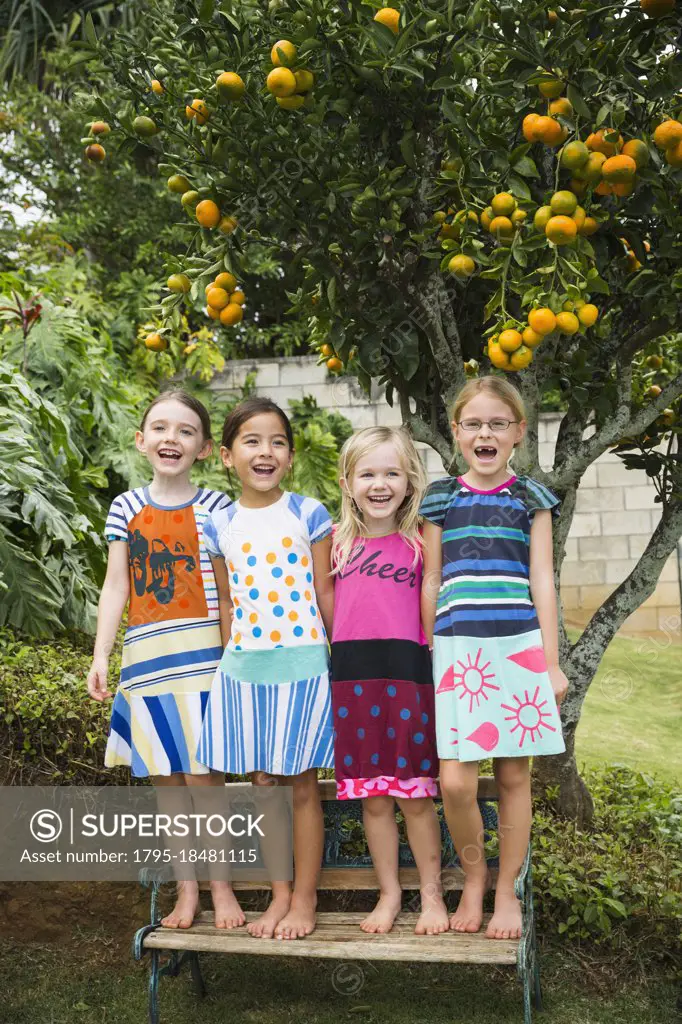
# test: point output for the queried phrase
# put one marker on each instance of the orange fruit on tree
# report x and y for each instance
(654, 361)
(604, 189)
(623, 188)
(551, 88)
(503, 204)
(207, 213)
(100, 128)
(561, 107)
(156, 342)
(283, 52)
(561, 230)
(502, 228)
(579, 217)
(588, 314)
(389, 17)
(226, 225)
(638, 150)
(673, 155)
(552, 18)
(334, 364)
(579, 187)
(588, 227)
(290, 102)
(518, 217)
(542, 321)
(487, 218)
(231, 314)
(563, 202)
(197, 110)
(497, 356)
(179, 283)
(189, 200)
(156, 87)
(95, 152)
(618, 169)
(439, 216)
(521, 358)
(226, 280)
(281, 82)
(450, 231)
(461, 265)
(528, 127)
(238, 296)
(567, 323)
(304, 80)
(598, 144)
(327, 351)
(542, 217)
(590, 171)
(549, 131)
(510, 340)
(574, 155)
(657, 8)
(466, 215)
(178, 183)
(218, 298)
(668, 133)
(230, 85)
(654, 391)
(213, 313)
(531, 338)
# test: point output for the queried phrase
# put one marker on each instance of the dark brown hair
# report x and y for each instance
(186, 399)
(245, 411)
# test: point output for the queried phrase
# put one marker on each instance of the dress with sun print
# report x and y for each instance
(493, 695)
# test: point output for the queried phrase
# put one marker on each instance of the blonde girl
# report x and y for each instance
(382, 688)
(489, 603)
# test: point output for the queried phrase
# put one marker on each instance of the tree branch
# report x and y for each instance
(421, 431)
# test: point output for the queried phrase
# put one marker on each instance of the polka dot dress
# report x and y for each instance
(382, 690)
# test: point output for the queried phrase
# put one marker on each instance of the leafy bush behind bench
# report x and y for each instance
(616, 885)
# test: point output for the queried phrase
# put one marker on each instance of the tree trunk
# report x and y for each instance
(569, 795)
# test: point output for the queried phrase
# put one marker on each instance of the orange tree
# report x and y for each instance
(449, 188)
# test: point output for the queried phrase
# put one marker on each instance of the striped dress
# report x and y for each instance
(270, 704)
(493, 694)
(172, 643)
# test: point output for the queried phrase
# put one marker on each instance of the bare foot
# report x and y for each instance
(264, 926)
(506, 920)
(186, 907)
(469, 914)
(227, 912)
(380, 921)
(433, 919)
(299, 922)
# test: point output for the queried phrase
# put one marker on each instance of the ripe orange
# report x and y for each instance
(551, 88)
(510, 340)
(100, 128)
(562, 107)
(502, 228)
(213, 313)
(549, 131)
(552, 18)
(654, 361)
(283, 52)
(657, 8)
(389, 17)
(531, 338)
(654, 391)
(497, 356)
(487, 218)
(155, 342)
(239, 297)
(290, 102)
(439, 216)
(623, 189)
(461, 266)
(673, 155)
(231, 314)
(304, 80)
(226, 225)
(207, 213)
(466, 215)
(604, 189)
(327, 351)
(574, 155)
(198, 110)
(598, 144)
(619, 169)
(590, 172)
(563, 203)
(95, 152)
(588, 314)
(638, 150)
(218, 298)
(588, 227)
(521, 358)
(281, 82)
(503, 204)
(542, 321)
(668, 133)
(528, 127)
(567, 323)
(179, 283)
(542, 217)
(230, 86)
(334, 364)
(579, 217)
(226, 280)
(518, 217)
(156, 87)
(561, 230)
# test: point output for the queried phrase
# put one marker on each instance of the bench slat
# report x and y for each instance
(338, 936)
(346, 879)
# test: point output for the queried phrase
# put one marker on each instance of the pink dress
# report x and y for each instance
(382, 686)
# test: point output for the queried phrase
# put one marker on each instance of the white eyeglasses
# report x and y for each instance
(498, 426)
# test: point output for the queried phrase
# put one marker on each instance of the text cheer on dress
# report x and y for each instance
(270, 703)
(172, 644)
(493, 694)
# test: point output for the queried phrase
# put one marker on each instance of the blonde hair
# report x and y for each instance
(498, 386)
(351, 526)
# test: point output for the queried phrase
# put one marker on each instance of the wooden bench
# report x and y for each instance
(338, 935)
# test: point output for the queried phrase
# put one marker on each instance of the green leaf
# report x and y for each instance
(526, 165)
(89, 29)
(518, 187)
(450, 110)
(206, 10)
(407, 149)
(578, 103)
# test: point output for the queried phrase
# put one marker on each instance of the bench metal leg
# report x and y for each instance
(154, 988)
(197, 977)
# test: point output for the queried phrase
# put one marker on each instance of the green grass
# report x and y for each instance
(632, 711)
(68, 986)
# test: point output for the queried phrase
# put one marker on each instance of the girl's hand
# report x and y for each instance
(97, 680)
(559, 683)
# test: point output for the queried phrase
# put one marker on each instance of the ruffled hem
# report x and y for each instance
(386, 785)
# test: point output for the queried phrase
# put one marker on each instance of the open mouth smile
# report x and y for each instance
(168, 455)
(485, 452)
(379, 499)
(263, 469)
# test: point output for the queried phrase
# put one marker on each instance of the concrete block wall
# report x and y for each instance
(615, 509)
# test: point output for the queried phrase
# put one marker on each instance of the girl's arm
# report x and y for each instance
(112, 601)
(324, 581)
(543, 593)
(222, 582)
(431, 580)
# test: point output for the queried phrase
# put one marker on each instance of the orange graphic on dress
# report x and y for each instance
(165, 568)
